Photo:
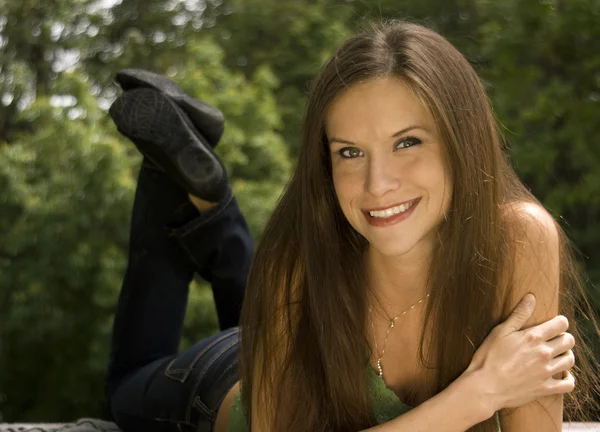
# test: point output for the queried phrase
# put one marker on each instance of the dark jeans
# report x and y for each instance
(151, 387)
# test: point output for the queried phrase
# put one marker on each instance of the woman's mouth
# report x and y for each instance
(391, 215)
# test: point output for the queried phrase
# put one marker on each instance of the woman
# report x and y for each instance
(402, 238)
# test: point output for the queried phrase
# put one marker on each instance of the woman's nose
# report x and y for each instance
(382, 175)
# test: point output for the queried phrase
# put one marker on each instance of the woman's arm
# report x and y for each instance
(536, 270)
(512, 367)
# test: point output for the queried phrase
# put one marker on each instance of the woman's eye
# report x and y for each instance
(408, 142)
(353, 152)
(350, 152)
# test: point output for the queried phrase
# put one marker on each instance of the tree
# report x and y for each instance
(66, 190)
(66, 185)
(541, 79)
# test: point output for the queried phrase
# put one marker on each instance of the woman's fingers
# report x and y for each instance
(520, 314)
(562, 363)
(550, 329)
(560, 386)
(561, 344)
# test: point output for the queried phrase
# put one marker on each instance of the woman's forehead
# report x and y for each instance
(378, 107)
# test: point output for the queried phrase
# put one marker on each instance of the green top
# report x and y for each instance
(386, 405)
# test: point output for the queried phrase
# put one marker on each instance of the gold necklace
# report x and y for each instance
(387, 333)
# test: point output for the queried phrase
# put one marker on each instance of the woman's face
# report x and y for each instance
(388, 164)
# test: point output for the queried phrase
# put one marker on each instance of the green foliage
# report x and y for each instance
(545, 88)
(66, 189)
(293, 38)
(66, 186)
(67, 177)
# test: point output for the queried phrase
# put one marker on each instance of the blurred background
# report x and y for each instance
(67, 177)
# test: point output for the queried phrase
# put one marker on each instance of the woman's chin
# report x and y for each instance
(391, 248)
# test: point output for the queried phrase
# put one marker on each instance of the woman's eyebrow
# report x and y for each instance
(394, 135)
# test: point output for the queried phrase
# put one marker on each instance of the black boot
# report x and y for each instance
(165, 135)
(206, 118)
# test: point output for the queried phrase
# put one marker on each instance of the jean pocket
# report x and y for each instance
(180, 368)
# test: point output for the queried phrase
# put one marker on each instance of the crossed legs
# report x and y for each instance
(150, 385)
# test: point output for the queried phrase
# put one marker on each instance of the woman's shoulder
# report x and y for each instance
(527, 217)
(534, 246)
(532, 232)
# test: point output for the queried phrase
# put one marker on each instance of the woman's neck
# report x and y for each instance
(396, 283)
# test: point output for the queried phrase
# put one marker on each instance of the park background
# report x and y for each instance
(67, 177)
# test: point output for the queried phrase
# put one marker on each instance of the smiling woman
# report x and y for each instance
(391, 156)
(402, 201)
(389, 290)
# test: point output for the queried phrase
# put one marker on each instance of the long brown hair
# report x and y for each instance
(304, 347)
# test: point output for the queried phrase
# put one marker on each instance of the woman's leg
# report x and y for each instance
(150, 386)
(220, 245)
(151, 307)
(218, 242)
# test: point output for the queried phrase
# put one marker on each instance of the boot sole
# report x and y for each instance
(162, 132)
(206, 118)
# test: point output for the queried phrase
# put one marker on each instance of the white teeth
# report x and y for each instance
(391, 211)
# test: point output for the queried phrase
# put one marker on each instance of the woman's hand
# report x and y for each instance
(513, 366)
